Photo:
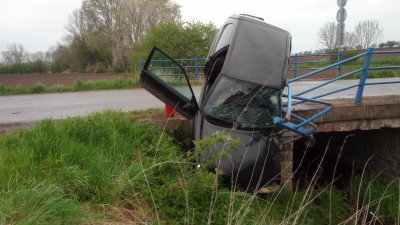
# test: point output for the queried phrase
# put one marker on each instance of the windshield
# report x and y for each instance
(242, 105)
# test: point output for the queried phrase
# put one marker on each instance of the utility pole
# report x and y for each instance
(340, 18)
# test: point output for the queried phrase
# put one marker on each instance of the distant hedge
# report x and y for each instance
(38, 66)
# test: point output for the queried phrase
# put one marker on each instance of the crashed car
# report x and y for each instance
(245, 73)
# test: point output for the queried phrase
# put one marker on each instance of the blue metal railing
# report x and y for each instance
(296, 62)
(193, 67)
(198, 63)
(300, 128)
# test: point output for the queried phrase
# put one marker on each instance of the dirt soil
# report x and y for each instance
(67, 79)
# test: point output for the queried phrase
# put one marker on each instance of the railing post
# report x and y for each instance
(340, 58)
(140, 66)
(364, 74)
(295, 66)
(196, 64)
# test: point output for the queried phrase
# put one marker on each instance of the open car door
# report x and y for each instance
(164, 78)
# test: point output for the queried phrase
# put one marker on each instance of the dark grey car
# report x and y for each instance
(245, 73)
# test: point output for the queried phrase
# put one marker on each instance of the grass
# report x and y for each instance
(82, 86)
(38, 203)
(100, 160)
(78, 86)
(376, 198)
(106, 169)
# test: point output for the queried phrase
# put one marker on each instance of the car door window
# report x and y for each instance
(171, 73)
(225, 38)
(167, 80)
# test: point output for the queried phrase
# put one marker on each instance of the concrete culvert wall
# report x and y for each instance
(379, 150)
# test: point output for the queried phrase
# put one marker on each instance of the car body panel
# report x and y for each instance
(253, 165)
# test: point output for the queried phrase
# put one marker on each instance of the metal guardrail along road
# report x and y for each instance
(297, 98)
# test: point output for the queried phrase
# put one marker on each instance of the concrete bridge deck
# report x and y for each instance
(380, 149)
(372, 113)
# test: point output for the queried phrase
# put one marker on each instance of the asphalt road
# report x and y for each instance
(31, 108)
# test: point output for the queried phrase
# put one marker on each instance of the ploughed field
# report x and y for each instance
(66, 79)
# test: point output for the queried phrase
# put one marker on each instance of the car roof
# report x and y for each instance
(258, 52)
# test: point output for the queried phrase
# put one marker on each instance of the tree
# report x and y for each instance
(327, 36)
(142, 15)
(62, 58)
(178, 39)
(349, 41)
(391, 44)
(15, 54)
(368, 33)
(104, 30)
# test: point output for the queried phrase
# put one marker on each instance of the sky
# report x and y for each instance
(40, 24)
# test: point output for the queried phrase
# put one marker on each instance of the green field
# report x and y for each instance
(79, 86)
(82, 86)
(107, 169)
(357, 64)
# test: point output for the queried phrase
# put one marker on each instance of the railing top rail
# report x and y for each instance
(386, 52)
(178, 60)
(326, 67)
(321, 61)
(301, 55)
(304, 69)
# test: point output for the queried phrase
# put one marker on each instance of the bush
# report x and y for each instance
(59, 66)
(37, 89)
(349, 54)
(38, 66)
(379, 74)
(99, 67)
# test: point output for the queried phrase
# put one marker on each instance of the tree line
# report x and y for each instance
(111, 35)
(17, 60)
(366, 34)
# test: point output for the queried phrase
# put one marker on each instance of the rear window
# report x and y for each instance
(225, 37)
(242, 105)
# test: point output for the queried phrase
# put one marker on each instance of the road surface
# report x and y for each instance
(30, 108)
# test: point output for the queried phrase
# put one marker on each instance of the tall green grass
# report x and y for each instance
(102, 159)
(376, 198)
(37, 202)
(104, 168)
(78, 86)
